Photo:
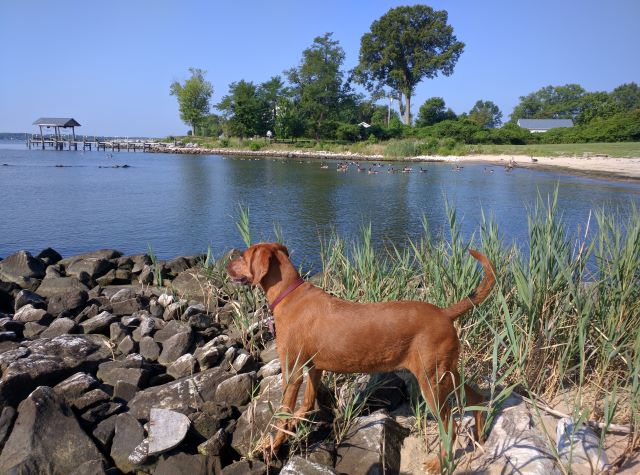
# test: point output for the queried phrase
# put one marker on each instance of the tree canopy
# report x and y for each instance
(246, 111)
(193, 98)
(317, 84)
(404, 46)
(486, 114)
(433, 111)
(550, 102)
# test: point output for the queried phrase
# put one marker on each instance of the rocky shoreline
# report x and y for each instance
(116, 364)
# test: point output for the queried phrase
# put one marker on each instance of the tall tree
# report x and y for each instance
(193, 98)
(433, 111)
(486, 114)
(270, 92)
(246, 112)
(317, 83)
(550, 102)
(628, 96)
(404, 46)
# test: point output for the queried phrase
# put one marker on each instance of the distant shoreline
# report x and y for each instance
(595, 166)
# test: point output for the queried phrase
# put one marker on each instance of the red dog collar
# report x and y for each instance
(298, 282)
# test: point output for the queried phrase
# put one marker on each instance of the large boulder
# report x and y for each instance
(94, 267)
(46, 438)
(127, 436)
(25, 297)
(257, 419)
(48, 361)
(60, 285)
(297, 465)
(49, 256)
(183, 395)
(192, 284)
(70, 301)
(100, 254)
(22, 268)
(372, 446)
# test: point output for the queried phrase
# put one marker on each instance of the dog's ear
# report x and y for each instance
(280, 247)
(259, 264)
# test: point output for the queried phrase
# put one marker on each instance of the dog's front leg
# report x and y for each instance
(310, 393)
(291, 382)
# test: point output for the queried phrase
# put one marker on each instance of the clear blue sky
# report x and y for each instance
(109, 64)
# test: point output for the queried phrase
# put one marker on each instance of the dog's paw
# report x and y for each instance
(432, 466)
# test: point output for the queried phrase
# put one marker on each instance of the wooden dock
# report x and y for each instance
(72, 143)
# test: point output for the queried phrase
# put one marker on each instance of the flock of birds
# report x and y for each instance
(376, 168)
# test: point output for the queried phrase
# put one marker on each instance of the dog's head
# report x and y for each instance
(253, 264)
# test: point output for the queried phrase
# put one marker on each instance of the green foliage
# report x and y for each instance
(433, 111)
(193, 98)
(404, 46)
(246, 111)
(486, 114)
(318, 89)
(255, 146)
(550, 102)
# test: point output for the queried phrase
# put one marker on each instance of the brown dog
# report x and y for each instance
(323, 332)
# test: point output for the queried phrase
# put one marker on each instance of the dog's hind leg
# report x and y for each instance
(310, 393)
(475, 399)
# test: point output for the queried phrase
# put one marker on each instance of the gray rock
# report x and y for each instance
(8, 336)
(127, 346)
(516, 443)
(104, 431)
(49, 256)
(98, 324)
(123, 294)
(174, 347)
(183, 464)
(269, 353)
(174, 310)
(101, 412)
(172, 328)
(100, 254)
(177, 265)
(149, 349)
(183, 395)
(192, 310)
(258, 416)
(127, 436)
(95, 267)
(192, 285)
(71, 301)
(201, 321)
(146, 328)
(208, 355)
(32, 330)
(59, 285)
(88, 312)
(107, 279)
(372, 446)
(579, 448)
(124, 391)
(117, 332)
(236, 391)
(127, 307)
(156, 309)
(129, 370)
(25, 297)
(270, 369)
(167, 429)
(49, 361)
(90, 399)
(53, 271)
(139, 261)
(246, 467)
(215, 444)
(9, 325)
(60, 326)
(146, 275)
(296, 465)
(75, 386)
(28, 313)
(243, 362)
(46, 438)
(91, 467)
(183, 366)
(7, 417)
(165, 300)
(21, 268)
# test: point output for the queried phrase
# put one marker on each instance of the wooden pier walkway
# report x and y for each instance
(61, 143)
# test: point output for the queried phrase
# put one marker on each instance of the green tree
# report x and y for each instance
(597, 105)
(404, 46)
(246, 112)
(550, 102)
(433, 111)
(270, 92)
(317, 83)
(486, 114)
(628, 96)
(193, 98)
(289, 121)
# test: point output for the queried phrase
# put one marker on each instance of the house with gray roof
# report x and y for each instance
(543, 125)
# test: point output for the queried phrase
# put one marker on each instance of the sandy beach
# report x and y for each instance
(626, 168)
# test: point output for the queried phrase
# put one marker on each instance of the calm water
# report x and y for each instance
(181, 204)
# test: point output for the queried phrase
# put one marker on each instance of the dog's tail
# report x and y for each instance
(477, 296)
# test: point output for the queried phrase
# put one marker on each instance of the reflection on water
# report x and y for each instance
(182, 204)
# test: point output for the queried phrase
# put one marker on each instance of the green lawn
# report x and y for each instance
(618, 149)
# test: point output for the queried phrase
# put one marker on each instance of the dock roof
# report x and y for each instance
(57, 122)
